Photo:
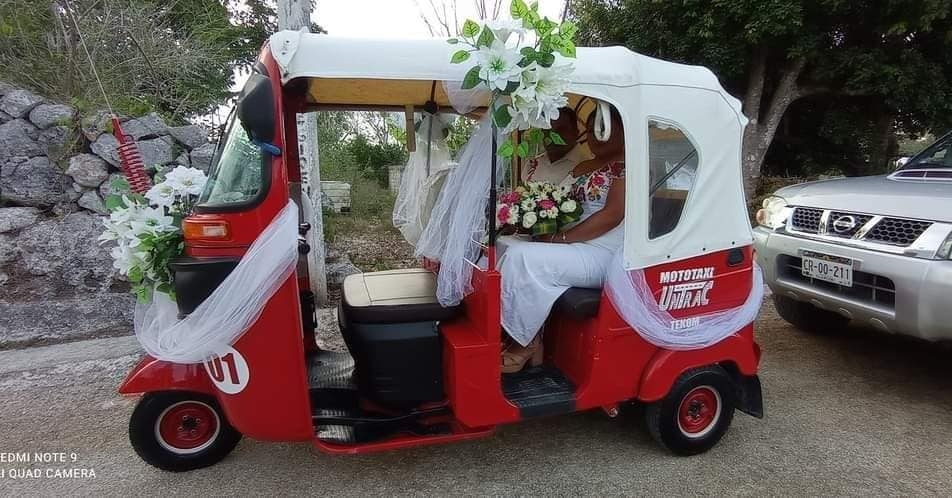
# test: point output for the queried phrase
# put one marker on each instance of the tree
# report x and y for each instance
(442, 17)
(894, 53)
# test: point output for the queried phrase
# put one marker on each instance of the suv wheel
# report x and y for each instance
(808, 317)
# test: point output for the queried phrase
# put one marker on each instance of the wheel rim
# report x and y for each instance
(699, 411)
(187, 427)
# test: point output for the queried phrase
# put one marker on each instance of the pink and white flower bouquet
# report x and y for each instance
(539, 207)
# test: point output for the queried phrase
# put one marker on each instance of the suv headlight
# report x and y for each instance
(945, 250)
(774, 213)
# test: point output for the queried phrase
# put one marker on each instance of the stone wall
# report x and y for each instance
(56, 167)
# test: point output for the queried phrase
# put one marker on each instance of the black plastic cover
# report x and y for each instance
(579, 302)
(398, 364)
(195, 279)
(256, 108)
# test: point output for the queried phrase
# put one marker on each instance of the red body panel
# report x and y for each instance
(151, 374)
(404, 441)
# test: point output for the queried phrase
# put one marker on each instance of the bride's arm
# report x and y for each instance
(600, 222)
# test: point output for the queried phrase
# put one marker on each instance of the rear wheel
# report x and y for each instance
(179, 431)
(808, 317)
(695, 414)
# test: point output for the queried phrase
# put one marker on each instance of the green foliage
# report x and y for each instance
(889, 59)
(372, 159)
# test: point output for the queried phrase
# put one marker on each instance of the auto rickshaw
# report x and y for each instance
(418, 373)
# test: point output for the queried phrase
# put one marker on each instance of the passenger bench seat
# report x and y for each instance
(393, 296)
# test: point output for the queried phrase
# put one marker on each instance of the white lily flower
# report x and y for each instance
(499, 65)
(162, 195)
(569, 206)
(504, 28)
(185, 180)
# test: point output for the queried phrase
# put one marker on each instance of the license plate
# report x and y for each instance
(833, 269)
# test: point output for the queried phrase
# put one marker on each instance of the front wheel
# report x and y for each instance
(179, 431)
(695, 414)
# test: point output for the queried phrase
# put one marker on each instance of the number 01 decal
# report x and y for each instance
(228, 371)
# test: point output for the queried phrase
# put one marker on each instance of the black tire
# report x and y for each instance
(697, 388)
(204, 435)
(808, 317)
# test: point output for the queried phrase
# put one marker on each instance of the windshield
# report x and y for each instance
(938, 155)
(236, 175)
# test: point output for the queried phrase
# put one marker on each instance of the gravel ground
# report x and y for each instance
(853, 414)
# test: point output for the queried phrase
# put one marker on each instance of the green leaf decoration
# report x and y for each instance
(471, 79)
(567, 49)
(545, 227)
(523, 149)
(568, 29)
(470, 28)
(506, 150)
(485, 38)
(546, 60)
(453, 41)
(556, 138)
(114, 202)
(511, 87)
(502, 117)
(459, 56)
(135, 274)
(518, 9)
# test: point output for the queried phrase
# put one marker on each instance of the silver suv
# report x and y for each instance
(875, 249)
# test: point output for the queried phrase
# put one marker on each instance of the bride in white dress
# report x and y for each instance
(535, 274)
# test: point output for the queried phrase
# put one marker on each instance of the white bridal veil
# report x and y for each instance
(232, 308)
(423, 177)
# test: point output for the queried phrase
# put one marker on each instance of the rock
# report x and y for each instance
(36, 182)
(337, 272)
(15, 218)
(4, 278)
(201, 157)
(19, 103)
(55, 141)
(148, 126)
(18, 138)
(46, 115)
(4, 117)
(65, 208)
(106, 147)
(90, 200)
(88, 170)
(24, 324)
(183, 159)
(157, 151)
(8, 249)
(95, 124)
(106, 189)
(6, 88)
(67, 250)
(191, 136)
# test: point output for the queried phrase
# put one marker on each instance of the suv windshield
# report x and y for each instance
(937, 155)
(236, 175)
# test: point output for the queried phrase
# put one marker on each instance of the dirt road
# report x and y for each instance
(852, 414)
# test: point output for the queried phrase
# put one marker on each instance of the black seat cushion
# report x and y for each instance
(395, 296)
(579, 302)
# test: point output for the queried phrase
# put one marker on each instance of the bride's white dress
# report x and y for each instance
(535, 274)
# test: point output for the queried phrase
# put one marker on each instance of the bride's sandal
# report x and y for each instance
(514, 361)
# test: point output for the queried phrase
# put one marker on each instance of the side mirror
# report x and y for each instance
(900, 162)
(256, 108)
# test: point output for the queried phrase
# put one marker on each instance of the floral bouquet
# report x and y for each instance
(540, 207)
(147, 229)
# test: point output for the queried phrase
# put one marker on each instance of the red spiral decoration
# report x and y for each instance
(130, 160)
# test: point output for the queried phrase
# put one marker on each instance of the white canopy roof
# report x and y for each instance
(641, 88)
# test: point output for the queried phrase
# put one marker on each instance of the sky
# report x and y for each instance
(399, 18)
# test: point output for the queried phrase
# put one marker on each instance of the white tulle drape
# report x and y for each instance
(631, 296)
(421, 175)
(458, 220)
(232, 308)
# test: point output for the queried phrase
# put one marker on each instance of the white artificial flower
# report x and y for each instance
(186, 180)
(553, 212)
(569, 206)
(529, 219)
(544, 213)
(513, 216)
(161, 195)
(528, 205)
(558, 195)
(504, 28)
(499, 65)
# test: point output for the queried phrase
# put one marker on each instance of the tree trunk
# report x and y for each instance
(884, 138)
(763, 125)
(296, 15)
